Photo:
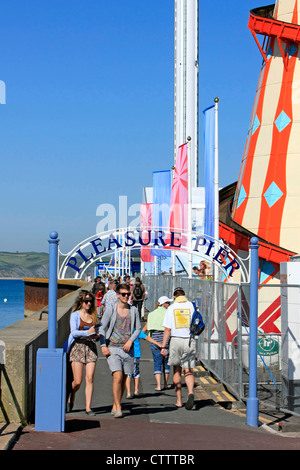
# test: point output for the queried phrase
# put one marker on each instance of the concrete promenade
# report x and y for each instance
(152, 423)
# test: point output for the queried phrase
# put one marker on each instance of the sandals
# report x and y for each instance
(190, 402)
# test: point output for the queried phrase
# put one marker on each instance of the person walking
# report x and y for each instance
(119, 329)
(82, 348)
(96, 285)
(99, 296)
(136, 372)
(110, 298)
(155, 329)
(182, 352)
(138, 295)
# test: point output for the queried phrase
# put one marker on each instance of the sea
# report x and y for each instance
(12, 301)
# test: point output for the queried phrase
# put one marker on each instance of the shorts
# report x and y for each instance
(83, 352)
(136, 369)
(120, 360)
(182, 352)
(160, 362)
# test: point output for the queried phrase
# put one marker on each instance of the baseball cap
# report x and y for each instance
(179, 289)
(164, 299)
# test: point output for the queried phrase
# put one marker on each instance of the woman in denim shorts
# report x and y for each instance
(156, 331)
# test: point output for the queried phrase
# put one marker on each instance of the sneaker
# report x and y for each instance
(118, 414)
(190, 402)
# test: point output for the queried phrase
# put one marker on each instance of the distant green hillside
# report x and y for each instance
(28, 264)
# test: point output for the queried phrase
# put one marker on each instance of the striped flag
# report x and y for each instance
(161, 206)
(146, 224)
(179, 196)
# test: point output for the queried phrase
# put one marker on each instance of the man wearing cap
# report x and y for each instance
(182, 348)
(155, 329)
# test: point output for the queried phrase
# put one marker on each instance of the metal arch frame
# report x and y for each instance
(121, 231)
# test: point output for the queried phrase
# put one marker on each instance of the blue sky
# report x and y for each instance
(89, 106)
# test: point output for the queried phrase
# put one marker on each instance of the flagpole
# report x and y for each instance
(216, 222)
(216, 215)
(189, 240)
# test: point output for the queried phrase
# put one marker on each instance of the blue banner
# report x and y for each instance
(161, 206)
(209, 159)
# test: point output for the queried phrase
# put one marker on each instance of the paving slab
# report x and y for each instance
(152, 423)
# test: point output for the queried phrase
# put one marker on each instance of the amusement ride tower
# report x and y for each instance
(267, 197)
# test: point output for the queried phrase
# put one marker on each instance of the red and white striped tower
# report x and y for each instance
(267, 199)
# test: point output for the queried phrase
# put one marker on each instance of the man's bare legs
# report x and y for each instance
(189, 380)
(118, 388)
(177, 385)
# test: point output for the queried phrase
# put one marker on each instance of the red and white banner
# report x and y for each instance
(178, 221)
(146, 224)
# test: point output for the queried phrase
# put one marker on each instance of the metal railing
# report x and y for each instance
(223, 347)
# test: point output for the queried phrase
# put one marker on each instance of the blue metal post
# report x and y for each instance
(252, 402)
(51, 362)
(52, 291)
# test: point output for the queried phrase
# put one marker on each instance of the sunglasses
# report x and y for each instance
(124, 293)
(86, 301)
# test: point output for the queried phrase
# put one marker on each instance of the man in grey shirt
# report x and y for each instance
(119, 329)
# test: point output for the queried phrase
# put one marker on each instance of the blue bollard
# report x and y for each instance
(50, 398)
(51, 361)
(252, 402)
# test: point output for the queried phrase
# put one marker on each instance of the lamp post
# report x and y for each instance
(52, 290)
(252, 402)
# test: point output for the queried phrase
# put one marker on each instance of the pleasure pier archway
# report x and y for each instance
(93, 249)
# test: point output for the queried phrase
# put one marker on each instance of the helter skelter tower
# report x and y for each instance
(267, 198)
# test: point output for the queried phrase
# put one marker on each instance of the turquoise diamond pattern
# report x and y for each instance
(282, 121)
(256, 124)
(242, 196)
(292, 49)
(273, 194)
(267, 270)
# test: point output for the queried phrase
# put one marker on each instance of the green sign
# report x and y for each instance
(268, 346)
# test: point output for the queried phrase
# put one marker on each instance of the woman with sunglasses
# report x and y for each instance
(82, 347)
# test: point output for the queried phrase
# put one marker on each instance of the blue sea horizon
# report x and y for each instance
(12, 301)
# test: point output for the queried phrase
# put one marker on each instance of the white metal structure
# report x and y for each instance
(98, 246)
(186, 80)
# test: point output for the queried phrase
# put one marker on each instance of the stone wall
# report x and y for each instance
(36, 292)
(19, 344)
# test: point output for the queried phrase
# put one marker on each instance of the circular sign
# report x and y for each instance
(268, 346)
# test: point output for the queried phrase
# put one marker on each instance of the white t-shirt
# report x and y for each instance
(178, 318)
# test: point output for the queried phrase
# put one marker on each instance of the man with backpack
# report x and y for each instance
(182, 351)
(138, 295)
